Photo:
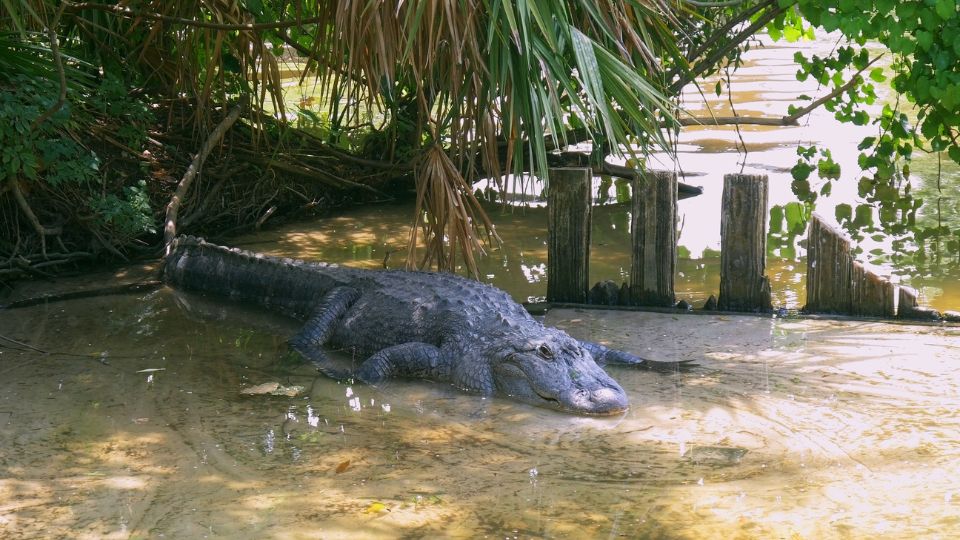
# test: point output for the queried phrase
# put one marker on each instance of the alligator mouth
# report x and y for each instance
(589, 407)
(578, 401)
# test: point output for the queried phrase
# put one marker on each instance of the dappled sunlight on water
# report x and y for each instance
(817, 429)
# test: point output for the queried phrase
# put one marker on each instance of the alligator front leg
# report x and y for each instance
(604, 355)
(413, 360)
(318, 329)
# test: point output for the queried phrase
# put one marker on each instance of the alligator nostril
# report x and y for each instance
(603, 395)
(608, 399)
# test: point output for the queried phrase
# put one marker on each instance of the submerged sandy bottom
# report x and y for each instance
(789, 429)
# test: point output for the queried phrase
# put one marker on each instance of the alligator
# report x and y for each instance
(411, 324)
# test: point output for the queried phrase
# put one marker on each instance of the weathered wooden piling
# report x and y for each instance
(871, 295)
(568, 224)
(654, 230)
(743, 244)
(836, 283)
(910, 308)
(829, 269)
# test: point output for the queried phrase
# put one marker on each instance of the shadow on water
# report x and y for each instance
(788, 428)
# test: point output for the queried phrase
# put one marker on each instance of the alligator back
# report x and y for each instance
(288, 286)
(410, 304)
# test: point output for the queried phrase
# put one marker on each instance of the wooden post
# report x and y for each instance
(743, 244)
(829, 270)
(909, 308)
(872, 296)
(568, 224)
(654, 230)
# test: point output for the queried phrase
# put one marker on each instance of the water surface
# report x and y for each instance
(789, 429)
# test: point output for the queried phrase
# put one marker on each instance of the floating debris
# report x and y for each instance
(376, 508)
(273, 389)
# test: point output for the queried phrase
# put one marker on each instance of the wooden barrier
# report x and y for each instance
(871, 295)
(838, 284)
(743, 244)
(829, 270)
(568, 227)
(653, 227)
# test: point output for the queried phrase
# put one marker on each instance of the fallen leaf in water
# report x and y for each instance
(289, 391)
(260, 389)
(376, 508)
(272, 388)
(343, 466)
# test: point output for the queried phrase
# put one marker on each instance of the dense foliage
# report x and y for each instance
(430, 92)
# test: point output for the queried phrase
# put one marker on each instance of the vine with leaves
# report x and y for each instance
(922, 121)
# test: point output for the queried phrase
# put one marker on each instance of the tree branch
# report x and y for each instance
(788, 120)
(316, 58)
(58, 64)
(856, 79)
(42, 231)
(736, 121)
(173, 207)
(702, 66)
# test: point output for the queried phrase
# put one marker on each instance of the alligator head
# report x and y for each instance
(551, 369)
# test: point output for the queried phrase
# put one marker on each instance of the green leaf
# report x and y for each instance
(801, 171)
(954, 153)
(843, 212)
(776, 219)
(796, 217)
(867, 142)
(946, 9)
(877, 75)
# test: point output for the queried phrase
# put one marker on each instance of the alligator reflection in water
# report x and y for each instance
(810, 428)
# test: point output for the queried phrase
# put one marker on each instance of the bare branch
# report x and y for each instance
(173, 207)
(58, 64)
(42, 231)
(856, 79)
(735, 121)
(788, 120)
(707, 63)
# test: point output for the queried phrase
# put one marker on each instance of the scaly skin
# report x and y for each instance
(427, 325)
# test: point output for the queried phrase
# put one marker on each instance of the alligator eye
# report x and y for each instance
(545, 352)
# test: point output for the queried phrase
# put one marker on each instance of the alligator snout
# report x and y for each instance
(603, 400)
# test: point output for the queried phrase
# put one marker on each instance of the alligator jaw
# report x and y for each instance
(590, 394)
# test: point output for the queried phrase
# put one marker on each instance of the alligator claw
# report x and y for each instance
(320, 360)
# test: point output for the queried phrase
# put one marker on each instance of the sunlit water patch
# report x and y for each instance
(809, 429)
